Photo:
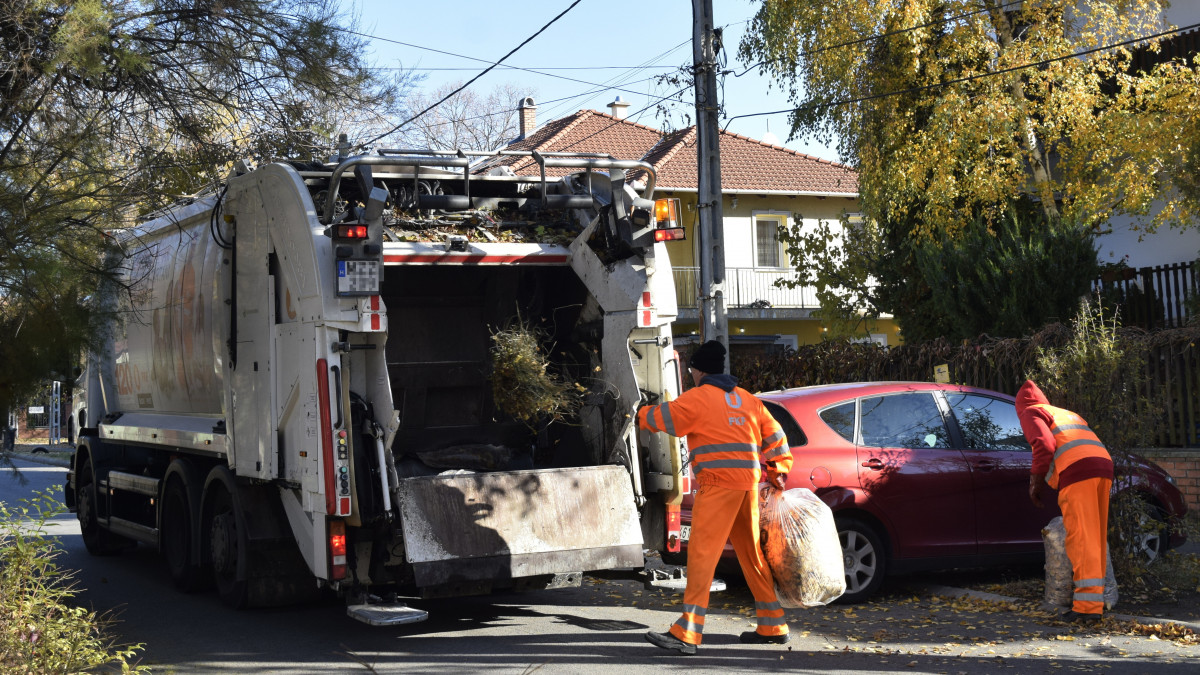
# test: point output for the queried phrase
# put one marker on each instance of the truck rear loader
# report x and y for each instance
(299, 391)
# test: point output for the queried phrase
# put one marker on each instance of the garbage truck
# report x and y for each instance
(299, 390)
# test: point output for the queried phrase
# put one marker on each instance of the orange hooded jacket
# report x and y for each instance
(1065, 449)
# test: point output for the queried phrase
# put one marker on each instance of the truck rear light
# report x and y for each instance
(350, 232)
(673, 523)
(337, 549)
(326, 436)
(669, 234)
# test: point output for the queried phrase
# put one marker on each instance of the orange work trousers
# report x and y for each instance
(1084, 507)
(719, 515)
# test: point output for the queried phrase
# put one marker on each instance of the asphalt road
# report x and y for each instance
(597, 628)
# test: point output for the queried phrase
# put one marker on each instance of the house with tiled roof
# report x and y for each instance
(765, 187)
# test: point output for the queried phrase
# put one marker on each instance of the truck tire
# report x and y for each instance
(96, 539)
(227, 545)
(178, 537)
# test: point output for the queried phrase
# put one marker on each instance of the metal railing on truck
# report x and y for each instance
(456, 159)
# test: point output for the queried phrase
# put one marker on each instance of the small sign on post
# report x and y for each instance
(941, 373)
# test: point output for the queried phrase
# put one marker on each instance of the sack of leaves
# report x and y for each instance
(1060, 581)
(800, 543)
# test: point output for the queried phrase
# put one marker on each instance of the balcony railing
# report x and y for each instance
(747, 287)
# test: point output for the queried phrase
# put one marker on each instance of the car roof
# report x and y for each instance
(824, 394)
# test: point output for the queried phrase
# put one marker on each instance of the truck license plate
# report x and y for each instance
(358, 277)
(685, 532)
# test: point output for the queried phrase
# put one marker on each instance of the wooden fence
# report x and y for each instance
(1152, 298)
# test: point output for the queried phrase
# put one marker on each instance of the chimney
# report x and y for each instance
(618, 108)
(528, 110)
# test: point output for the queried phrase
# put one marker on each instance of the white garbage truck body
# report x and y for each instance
(297, 391)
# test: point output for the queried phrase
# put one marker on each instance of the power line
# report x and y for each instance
(880, 36)
(612, 82)
(970, 78)
(472, 58)
(529, 69)
(481, 74)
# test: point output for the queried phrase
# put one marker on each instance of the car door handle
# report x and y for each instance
(985, 465)
(873, 464)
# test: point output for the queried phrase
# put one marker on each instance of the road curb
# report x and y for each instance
(993, 597)
(38, 459)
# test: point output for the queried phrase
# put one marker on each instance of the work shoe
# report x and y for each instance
(668, 641)
(1079, 617)
(751, 637)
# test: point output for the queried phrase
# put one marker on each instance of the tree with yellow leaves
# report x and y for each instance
(954, 110)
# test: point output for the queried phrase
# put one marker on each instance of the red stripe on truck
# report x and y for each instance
(474, 259)
(326, 436)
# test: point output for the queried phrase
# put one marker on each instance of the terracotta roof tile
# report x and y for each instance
(747, 164)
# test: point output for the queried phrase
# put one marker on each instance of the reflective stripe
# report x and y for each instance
(775, 453)
(1098, 597)
(726, 464)
(667, 422)
(725, 447)
(695, 609)
(770, 440)
(1083, 583)
(1075, 444)
(767, 606)
(690, 626)
(772, 621)
(1056, 430)
(650, 418)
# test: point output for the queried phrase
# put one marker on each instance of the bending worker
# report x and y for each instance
(1069, 457)
(729, 432)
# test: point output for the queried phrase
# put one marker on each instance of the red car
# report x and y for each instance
(928, 476)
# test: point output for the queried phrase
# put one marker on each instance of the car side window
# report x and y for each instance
(987, 423)
(909, 420)
(840, 418)
(791, 429)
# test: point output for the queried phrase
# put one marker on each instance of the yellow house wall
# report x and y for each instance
(739, 246)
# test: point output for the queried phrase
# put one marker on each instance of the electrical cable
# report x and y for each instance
(969, 78)
(472, 80)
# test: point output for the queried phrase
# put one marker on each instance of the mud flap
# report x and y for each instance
(509, 525)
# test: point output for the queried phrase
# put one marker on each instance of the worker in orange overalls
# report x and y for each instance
(1069, 457)
(729, 432)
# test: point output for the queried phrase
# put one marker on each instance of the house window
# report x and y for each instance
(767, 250)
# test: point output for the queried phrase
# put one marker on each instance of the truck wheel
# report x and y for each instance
(96, 539)
(226, 547)
(177, 539)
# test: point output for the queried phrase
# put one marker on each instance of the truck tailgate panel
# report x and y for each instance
(519, 523)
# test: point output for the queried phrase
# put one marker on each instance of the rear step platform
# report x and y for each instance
(386, 613)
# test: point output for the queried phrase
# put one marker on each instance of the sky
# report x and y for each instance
(599, 42)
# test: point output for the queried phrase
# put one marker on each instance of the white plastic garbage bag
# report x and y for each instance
(1060, 582)
(800, 544)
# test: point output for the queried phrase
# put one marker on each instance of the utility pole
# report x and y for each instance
(705, 43)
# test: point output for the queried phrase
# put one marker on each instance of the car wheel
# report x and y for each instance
(1149, 537)
(864, 558)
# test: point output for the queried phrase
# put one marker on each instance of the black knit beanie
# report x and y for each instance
(709, 358)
